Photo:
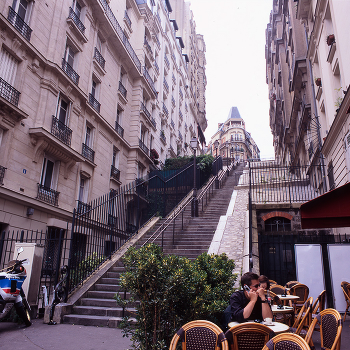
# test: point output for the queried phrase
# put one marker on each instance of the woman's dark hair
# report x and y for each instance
(264, 279)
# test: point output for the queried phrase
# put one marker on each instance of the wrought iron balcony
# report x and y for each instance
(47, 195)
(157, 41)
(122, 89)
(2, 174)
(173, 57)
(181, 95)
(166, 86)
(143, 147)
(180, 136)
(154, 123)
(9, 93)
(186, 128)
(149, 80)
(173, 103)
(88, 153)
(148, 46)
(172, 124)
(61, 131)
(145, 111)
(167, 63)
(19, 23)
(181, 118)
(94, 103)
(119, 129)
(70, 72)
(165, 110)
(174, 79)
(99, 58)
(186, 108)
(160, 22)
(83, 208)
(156, 67)
(115, 173)
(162, 136)
(74, 17)
(127, 19)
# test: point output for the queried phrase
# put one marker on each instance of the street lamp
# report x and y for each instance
(194, 205)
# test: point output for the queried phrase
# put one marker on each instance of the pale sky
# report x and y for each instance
(234, 33)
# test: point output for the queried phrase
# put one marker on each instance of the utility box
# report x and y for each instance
(34, 254)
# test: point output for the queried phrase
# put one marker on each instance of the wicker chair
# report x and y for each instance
(252, 336)
(302, 318)
(302, 291)
(272, 282)
(331, 325)
(290, 284)
(200, 334)
(287, 341)
(345, 286)
(317, 307)
(277, 289)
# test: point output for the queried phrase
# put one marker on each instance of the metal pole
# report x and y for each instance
(194, 199)
(250, 223)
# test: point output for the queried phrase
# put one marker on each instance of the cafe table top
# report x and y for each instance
(288, 297)
(277, 327)
(284, 310)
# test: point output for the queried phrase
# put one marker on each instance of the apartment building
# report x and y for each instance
(90, 91)
(232, 141)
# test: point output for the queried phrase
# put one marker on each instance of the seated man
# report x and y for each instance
(251, 304)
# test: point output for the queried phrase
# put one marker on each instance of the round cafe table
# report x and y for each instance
(288, 297)
(277, 327)
(285, 310)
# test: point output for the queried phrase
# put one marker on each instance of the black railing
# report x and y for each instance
(156, 67)
(120, 33)
(61, 131)
(172, 124)
(181, 118)
(47, 195)
(115, 173)
(165, 110)
(162, 136)
(2, 174)
(99, 58)
(143, 147)
(173, 103)
(181, 95)
(19, 23)
(82, 207)
(167, 63)
(75, 18)
(157, 41)
(154, 123)
(94, 103)
(166, 85)
(70, 72)
(119, 129)
(122, 89)
(127, 18)
(88, 153)
(180, 136)
(174, 79)
(145, 110)
(9, 93)
(148, 46)
(149, 80)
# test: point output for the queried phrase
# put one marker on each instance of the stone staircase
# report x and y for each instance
(98, 308)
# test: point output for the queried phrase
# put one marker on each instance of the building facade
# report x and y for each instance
(232, 141)
(308, 78)
(93, 94)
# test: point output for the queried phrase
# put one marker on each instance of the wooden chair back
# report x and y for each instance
(290, 284)
(331, 325)
(252, 336)
(302, 291)
(317, 307)
(345, 286)
(272, 282)
(200, 334)
(277, 289)
(302, 317)
(287, 341)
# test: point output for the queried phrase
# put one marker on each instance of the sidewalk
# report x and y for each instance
(60, 337)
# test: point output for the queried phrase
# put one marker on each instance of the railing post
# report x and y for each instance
(69, 265)
(58, 257)
(22, 236)
(2, 243)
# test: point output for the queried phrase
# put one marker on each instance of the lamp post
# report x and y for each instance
(194, 205)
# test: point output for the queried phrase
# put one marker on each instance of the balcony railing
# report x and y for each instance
(145, 110)
(88, 153)
(61, 131)
(165, 110)
(94, 103)
(2, 174)
(174, 79)
(181, 118)
(167, 63)
(181, 95)
(119, 129)
(99, 58)
(180, 136)
(127, 18)
(172, 124)
(70, 72)
(160, 22)
(173, 103)
(166, 86)
(9, 93)
(122, 89)
(83, 208)
(186, 108)
(149, 80)
(120, 33)
(157, 41)
(19, 23)
(115, 173)
(73, 16)
(47, 195)
(162, 136)
(148, 46)
(156, 67)
(154, 123)
(143, 146)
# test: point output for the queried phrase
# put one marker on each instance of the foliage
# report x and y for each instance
(172, 291)
(90, 264)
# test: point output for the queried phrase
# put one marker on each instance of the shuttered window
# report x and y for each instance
(8, 67)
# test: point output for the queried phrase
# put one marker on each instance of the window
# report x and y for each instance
(99, 44)
(76, 8)
(1, 134)
(115, 158)
(88, 136)
(69, 55)
(49, 174)
(119, 116)
(331, 176)
(8, 67)
(277, 224)
(62, 111)
(83, 189)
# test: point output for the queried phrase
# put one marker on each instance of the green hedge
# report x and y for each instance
(172, 291)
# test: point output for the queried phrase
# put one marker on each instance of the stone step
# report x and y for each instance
(103, 311)
(90, 320)
(101, 302)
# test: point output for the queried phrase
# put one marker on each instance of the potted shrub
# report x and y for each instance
(318, 81)
(330, 39)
